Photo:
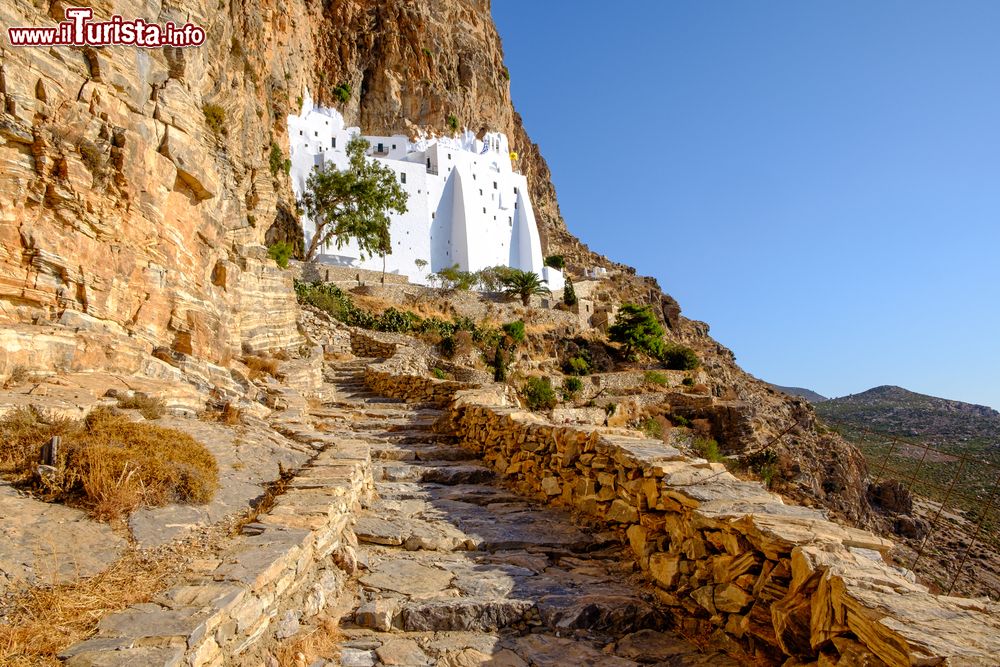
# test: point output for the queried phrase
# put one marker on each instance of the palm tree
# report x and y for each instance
(523, 284)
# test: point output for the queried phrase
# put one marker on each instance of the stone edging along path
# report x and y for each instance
(730, 557)
(288, 564)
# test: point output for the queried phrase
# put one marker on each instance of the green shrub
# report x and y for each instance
(538, 394)
(569, 293)
(499, 364)
(652, 428)
(652, 377)
(515, 330)
(555, 262)
(707, 449)
(505, 73)
(342, 92)
(281, 252)
(578, 365)
(215, 118)
(688, 382)
(679, 358)
(637, 330)
(276, 160)
(572, 386)
(453, 122)
(678, 420)
(439, 374)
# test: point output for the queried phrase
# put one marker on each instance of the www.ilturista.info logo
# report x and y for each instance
(79, 30)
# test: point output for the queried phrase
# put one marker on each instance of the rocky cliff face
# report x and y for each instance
(137, 189)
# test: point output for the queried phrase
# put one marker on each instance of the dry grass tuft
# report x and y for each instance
(107, 463)
(230, 415)
(314, 643)
(44, 621)
(148, 407)
(261, 367)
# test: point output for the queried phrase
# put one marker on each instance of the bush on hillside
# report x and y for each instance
(538, 394)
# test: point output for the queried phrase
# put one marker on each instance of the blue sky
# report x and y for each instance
(819, 181)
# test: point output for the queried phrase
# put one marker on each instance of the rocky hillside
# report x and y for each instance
(136, 189)
(896, 411)
(807, 394)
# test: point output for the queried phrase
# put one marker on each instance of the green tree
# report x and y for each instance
(555, 262)
(569, 293)
(637, 330)
(523, 284)
(353, 203)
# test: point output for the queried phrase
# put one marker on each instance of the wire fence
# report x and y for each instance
(962, 484)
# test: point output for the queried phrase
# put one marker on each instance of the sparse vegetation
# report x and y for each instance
(555, 262)
(439, 373)
(569, 293)
(654, 377)
(571, 387)
(524, 285)
(707, 448)
(281, 252)
(148, 406)
(92, 156)
(538, 394)
(578, 365)
(453, 122)
(637, 330)
(679, 420)
(215, 118)
(688, 382)
(107, 463)
(515, 330)
(679, 358)
(277, 161)
(652, 428)
(342, 92)
(261, 367)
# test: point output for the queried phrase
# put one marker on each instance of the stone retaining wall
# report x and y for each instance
(285, 567)
(731, 558)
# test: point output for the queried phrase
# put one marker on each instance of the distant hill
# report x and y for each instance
(903, 413)
(807, 394)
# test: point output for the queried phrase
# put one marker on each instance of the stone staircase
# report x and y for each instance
(456, 570)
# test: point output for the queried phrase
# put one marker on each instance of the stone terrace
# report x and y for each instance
(731, 559)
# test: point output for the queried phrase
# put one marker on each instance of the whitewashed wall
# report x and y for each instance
(466, 206)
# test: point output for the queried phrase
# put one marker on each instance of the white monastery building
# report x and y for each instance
(467, 205)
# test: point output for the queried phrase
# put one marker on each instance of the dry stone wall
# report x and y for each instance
(286, 566)
(730, 557)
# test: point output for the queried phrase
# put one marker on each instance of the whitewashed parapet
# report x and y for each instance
(727, 555)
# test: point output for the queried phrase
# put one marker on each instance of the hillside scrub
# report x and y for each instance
(538, 394)
(637, 330)
(107, 463)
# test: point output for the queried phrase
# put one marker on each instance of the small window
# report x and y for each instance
(394, 147)
(484, 209)
(315, 134)
(515, 190)
(433, 215)
(449, 156)
(334, 142)
(480, 192)
(402, 177)
(300, 133)
(428, 163)
(494, 185)
(381, 148)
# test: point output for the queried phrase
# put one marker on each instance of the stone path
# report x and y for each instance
(456, 570)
